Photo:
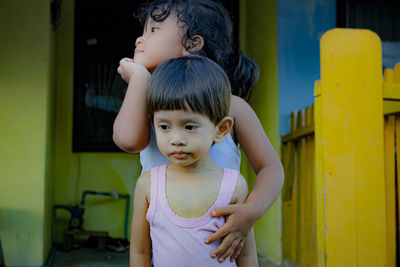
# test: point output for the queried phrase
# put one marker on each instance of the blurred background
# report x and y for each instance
(66, 190)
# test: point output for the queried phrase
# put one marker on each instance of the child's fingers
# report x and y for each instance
(223, 211)
(225, 244)
(122, 61)
(236, 254)
(229, 251)
(125, 59)
(223, 231)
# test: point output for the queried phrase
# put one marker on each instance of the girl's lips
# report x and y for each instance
(179, 155)
(138, 51)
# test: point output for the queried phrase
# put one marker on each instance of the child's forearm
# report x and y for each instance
(267, 188)
(131, 126)
(247, 262)
(262, 157)
(248, 257)
(140, 247)
(140, 260)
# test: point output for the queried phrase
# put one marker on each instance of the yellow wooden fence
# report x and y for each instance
(339, 197)
(391, 108)
(298, 211)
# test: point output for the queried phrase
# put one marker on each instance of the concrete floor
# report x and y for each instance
(85, 257)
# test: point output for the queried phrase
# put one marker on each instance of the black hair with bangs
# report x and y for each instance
(210, 20)
(190, 83)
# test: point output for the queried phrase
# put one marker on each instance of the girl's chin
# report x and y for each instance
(182, 162)
(191, 163)
(139, 60)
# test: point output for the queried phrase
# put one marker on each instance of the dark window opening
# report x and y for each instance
(105, 32)
(379, 16)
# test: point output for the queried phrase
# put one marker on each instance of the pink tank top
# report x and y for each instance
(178, 241)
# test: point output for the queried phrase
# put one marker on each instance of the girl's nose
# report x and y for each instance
(139, 41)
(178, 139)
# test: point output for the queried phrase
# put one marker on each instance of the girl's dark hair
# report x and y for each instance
(210, 20)
(191, 83)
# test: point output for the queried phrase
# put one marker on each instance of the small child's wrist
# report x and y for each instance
(142, 73)
(254, 214)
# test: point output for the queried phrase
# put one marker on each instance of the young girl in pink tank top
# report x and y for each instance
(188, 100)
(174, 28)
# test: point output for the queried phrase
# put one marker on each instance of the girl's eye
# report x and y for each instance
(163, 127)
(191, 127)
(153, 29)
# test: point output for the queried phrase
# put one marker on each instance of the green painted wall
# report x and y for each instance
(38, 166)
(103, 172)
(258, 39)
(26, 100)
(76, 172)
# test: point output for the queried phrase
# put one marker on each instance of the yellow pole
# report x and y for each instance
(349, 147)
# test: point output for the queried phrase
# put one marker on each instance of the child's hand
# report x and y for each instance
(240, 220)
(128, 69)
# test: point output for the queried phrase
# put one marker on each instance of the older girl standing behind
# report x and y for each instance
(176, 28)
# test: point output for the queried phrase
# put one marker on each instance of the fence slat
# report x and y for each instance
(398, 157)
(391, 90)
(309, 211)
(288, 197)
(287, 205)
(389, 135)
(301, 199)
(396, 73)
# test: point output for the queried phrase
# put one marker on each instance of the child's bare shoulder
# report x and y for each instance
(143, 184)
(238, 105)
(241, 191)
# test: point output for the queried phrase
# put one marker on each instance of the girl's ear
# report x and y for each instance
(224, 127)
(195, 44)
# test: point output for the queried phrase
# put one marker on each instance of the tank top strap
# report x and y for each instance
(228, 186)
(156, 175)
